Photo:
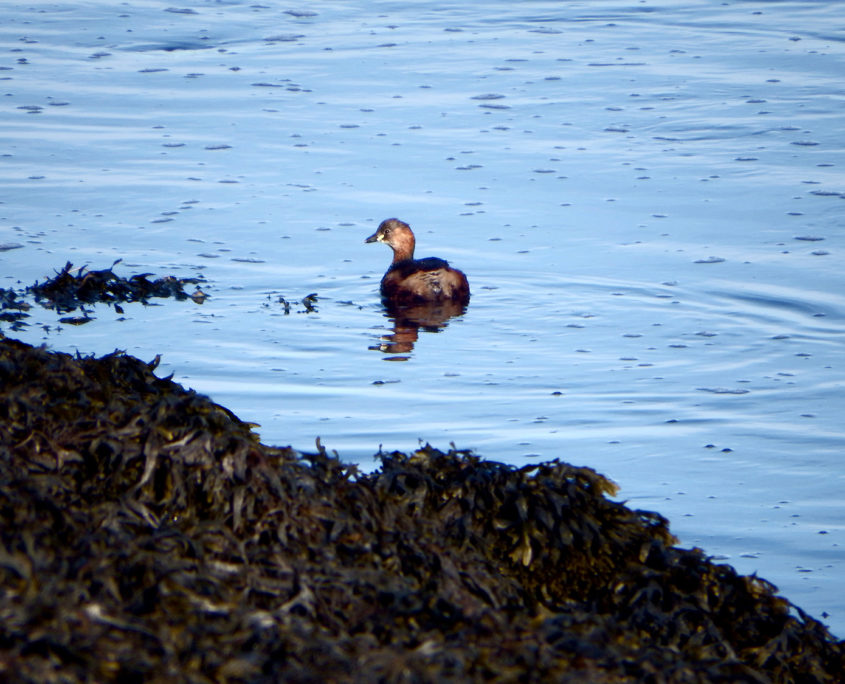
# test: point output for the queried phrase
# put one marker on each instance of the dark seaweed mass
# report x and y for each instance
(67, 291)
(71, 289)
(147, 535)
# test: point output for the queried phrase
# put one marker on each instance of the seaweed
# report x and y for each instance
(72, 289)
(147, 534)
(13, 309)
(309, 303)
(68, 291)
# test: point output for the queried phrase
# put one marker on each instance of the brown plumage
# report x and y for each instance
(411, 281)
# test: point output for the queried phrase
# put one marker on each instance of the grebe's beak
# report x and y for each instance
(373, 238)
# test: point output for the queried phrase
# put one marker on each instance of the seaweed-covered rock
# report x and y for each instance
(147, 535)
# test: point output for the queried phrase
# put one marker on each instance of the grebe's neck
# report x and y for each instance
(403, 246)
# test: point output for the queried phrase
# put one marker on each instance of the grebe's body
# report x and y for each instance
(410, 281)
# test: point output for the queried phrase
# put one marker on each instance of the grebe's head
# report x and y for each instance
(398, 235)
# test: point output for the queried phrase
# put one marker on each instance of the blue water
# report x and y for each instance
(647, 198)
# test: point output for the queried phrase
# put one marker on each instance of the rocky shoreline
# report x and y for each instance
(148, 535)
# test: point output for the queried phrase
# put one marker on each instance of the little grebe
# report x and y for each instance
(411, 281)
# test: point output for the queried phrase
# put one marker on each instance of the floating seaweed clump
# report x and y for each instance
(147, 535)
(67, 291)
(12, 308)
(309, 302)
(71, 289)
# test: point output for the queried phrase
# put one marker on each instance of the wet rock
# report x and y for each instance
(147, 534)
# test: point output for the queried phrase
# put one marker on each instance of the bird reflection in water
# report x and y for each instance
(409, 320)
